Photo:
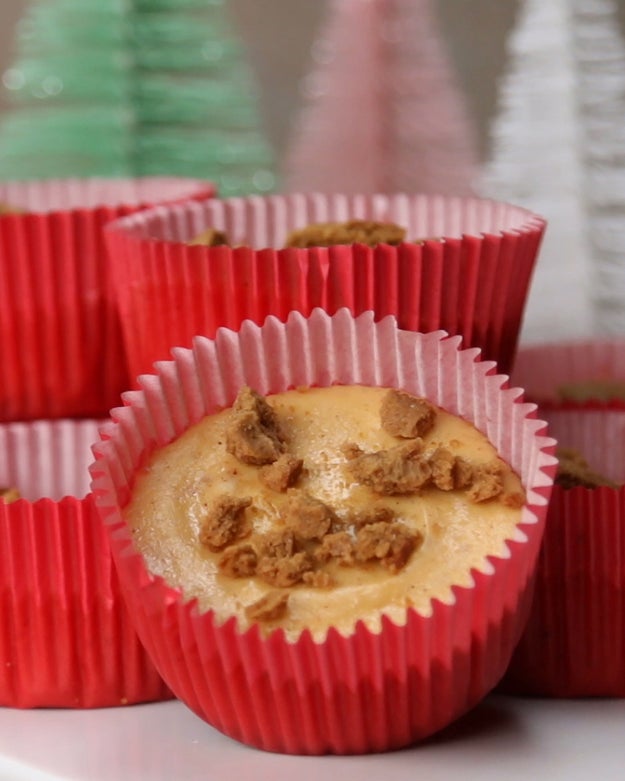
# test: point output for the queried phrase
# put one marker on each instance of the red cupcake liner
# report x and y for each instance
(542, 369)
(574, 642)
(60, 337)
(66, 640)
(348, 693)
(473, 283)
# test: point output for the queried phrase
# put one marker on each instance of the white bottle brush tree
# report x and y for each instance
(558, 147)
(381, 111)
(133, 88)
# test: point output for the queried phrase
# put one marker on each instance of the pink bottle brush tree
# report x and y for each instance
(381, 109)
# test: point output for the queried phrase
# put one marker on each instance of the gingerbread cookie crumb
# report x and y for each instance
(402, 469)
(573, 470)
(487, 482)
(286, 571)
(224, 522)
(238, 561)
(592, 390)
(9, 494)
(337, 545)
(306, 516)
(406, 416)
(254, 435)
(328, 234)
(392, 544)
(283, 473)
(211, 237)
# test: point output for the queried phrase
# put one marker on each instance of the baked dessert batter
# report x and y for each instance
(320, 507)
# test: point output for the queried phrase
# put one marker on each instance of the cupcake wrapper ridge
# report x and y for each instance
(66, 639)
(60, 335)
(365, 691)
(469, 275)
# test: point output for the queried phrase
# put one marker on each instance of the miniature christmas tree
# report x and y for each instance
(557, 148)
(132, 88)
(382, 112)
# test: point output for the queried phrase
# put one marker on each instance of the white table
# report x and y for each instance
(504, 739)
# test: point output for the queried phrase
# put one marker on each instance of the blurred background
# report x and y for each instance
(517, 100)
(279, 33)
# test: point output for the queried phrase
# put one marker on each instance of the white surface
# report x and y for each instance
(504, 739)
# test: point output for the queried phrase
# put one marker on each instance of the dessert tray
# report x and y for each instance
(503, 738)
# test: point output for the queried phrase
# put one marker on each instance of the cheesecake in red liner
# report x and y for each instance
(60, 338)
(66, 640)
(464, 265)
(371, 686)
(574, 640)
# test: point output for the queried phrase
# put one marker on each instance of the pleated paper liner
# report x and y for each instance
(361, 692)
(66, 639)
(590, 370)
(60, 338)
(574, 643)
(469, 277)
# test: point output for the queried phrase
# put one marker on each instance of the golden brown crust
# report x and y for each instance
(406, 416)
(573, 470)
(224, 522)
(328, 234)
(254, 435)
(211, 237)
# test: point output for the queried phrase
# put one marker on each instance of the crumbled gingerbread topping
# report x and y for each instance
(238, 561)
(403, 469)
(327, 234)
(337, 545)
(487, 482)
(270, 607)
(279, 543)
(283, 473)
(514, 499)
(9, 494)
(592, 390)
(450, 472)
(574, 470)
(406, 416)
(375, 514)
(211, 237)
(318, 579)
(224, 522)
(307, 517)
(254, 435)
(286, 571)
(392, 544)
(311, 537)
(7, 208)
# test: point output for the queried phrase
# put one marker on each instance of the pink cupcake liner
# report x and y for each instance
(473, 283)
(366, 691)
(60, 336)
(66, 640)
(574, 642)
